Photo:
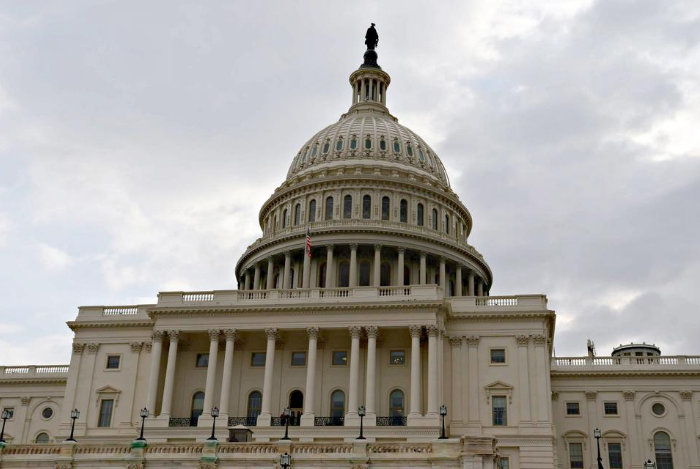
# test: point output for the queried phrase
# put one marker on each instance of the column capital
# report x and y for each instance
(230, 334)
(136, 346)
(471, 274)
(423, 254)
(473, 340)
(377, 247)
(78, 348)
(353, 246)
(313, 332)
(174, 335)
(401, 249)
(330, 247)
(442, 259)
(555, 396)
(372, 331)
(213, 335)
(539, 339)
(591, 395)
(157, 336)
(628, 395)
(432, 330)
(288, 254)
(355, 331)
(686, 395)
(271, 333)
(455, 341)
(415, 330)
(92, 348)
(523, 340)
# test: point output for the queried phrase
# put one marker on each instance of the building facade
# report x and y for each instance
(361, 306)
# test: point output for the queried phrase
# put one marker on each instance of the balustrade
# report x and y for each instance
(391, 421)
(329, 421)
(245, 421)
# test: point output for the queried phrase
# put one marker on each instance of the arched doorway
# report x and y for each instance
(254, 404)
(296, 406)
(197, 407)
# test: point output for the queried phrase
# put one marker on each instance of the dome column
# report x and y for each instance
(353, 265)
(470, 281)
(442, 276)
(256, 277)
(479, 287)
(423, 266)
(270, 273)
(400, 267)
(377, 265)
(306, 279)
(330, 277)
(458, 281)
(287, 270)
(247, 280)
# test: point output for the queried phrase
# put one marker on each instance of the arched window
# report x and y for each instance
(409, 149)
(406, 275)
(435, 219)
(338, 404)
(386, 208)
(404, 211)
(347, 206)
(385, 276)
(326, 147)
(344, 270)
(367, 206)
(368, 143)
(314, 151)
(329, 208)
(397, 146)
(197, 407)
(364, 273)
(396, 403)
(296, 406)
(339, 144)
(353, 143)
(447, 224)
(312, 211)
(421, 220)
(297, 214)
(662, 451)
(322, 276)
(284, 218)
(42, 438)
(382, 144)
(254, 404)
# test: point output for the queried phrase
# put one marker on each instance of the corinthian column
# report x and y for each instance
(270, 273)
(308, 418)
(228, 369)
(211, 372)
(355, 332)
(370, 391)
(432, 371)
(353, 266)
(330, 268)
(377, 265)
(456, 348)
(156, 351)
(265, 417)
(170, 374)
(415, 371)
(423, 267)
(458, 281)
(400, 267)
(287, 280)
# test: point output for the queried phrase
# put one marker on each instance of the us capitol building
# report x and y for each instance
(384, 319)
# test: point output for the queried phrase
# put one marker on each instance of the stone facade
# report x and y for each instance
(390, 309)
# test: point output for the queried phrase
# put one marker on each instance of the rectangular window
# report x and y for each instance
(202, 360)
(572, 408)
(298, 358)
(610, 408)
(615, 455)
(397, 357)
(498, 355)
(340, 358)
(576, 455)
(500, 417)
(257, 359)
(105, 418)
(504, 463)
(10, 411)
(113, 362)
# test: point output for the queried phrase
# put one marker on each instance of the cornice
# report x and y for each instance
(34, 381)
(555, 374)
(500, 316)
(111, 324)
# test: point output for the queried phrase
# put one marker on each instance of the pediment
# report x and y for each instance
(108, 390)
(499, 387)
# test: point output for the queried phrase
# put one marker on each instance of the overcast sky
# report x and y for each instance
(139, 139)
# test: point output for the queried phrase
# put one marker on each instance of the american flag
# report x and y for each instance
(308, 241)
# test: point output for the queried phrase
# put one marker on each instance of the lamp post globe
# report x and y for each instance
(74, 415)
(143, 413)
(443, 413)
(361, 411)
(5, 416)
(649, 464)
(286, 460)
(597, 435)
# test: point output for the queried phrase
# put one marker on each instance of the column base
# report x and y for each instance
(308, 420)
(352, 419)
(162, 421)
(264, 419)
(423, 420)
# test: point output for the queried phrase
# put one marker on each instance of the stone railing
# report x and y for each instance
(498, 303)
(33, 371)
(389, 226)
(120, 310)
(111, 313)
(575, 363)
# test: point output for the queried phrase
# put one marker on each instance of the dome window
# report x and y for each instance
(421, 155)
(347, 206)
(303, 158)
(404, 211)
(367, 206)
(409, 149)
(312, 211)
(326, 147)
(368, 143)
(329, 208)
(314, 151)
(353, 144)
(386, 207)
(382, 145)
(397, 146)
(430, 161)
(420, 215)
(339, 145)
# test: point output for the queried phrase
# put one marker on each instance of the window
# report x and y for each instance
(284, 218)
(610, 408)
(368, 143)
(662, 451)
(397, 146)
(42, 438)
(615, 455)
(498, 355)
(338, 404)
(397, 357)
(322, 271)
(353, 143)
(297, 214)
(367, 207)
(329, 208)
(447, 224)
(396, 403)
(197, 407)
(298, 358)
(572, 408)
(364, 273)
(47, 413)
(406, 276)
(257, 359)
(312, 211)
(404, 211)
(409, 150)
(386, 207)
(658, 409)
(105, 417)
(503, 463)
(326, 147)
(435, 219)
(254, 404)
(500, 417)
(113, 362)
(344, 271)
(421, 155)
(10, 411)
(314, 151)
(202, 360)
(382, 145)
(576, 455)
(296, 403)
(420, 215)
(385, 274)
(339, 145)
(303, 158)
(340, 358)
(347, 206)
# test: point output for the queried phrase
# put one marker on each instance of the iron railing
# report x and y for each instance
(329, 421)
(182, 422)
(245, 421)
(391, 421)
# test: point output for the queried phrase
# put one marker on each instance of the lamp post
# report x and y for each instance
(361, 412)
(214, 414)
(287, 415)
(74, 414)
(596, 434)
(286, 460)
(5, 416)
(143, 414)
(649, 465)
(443, 412)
